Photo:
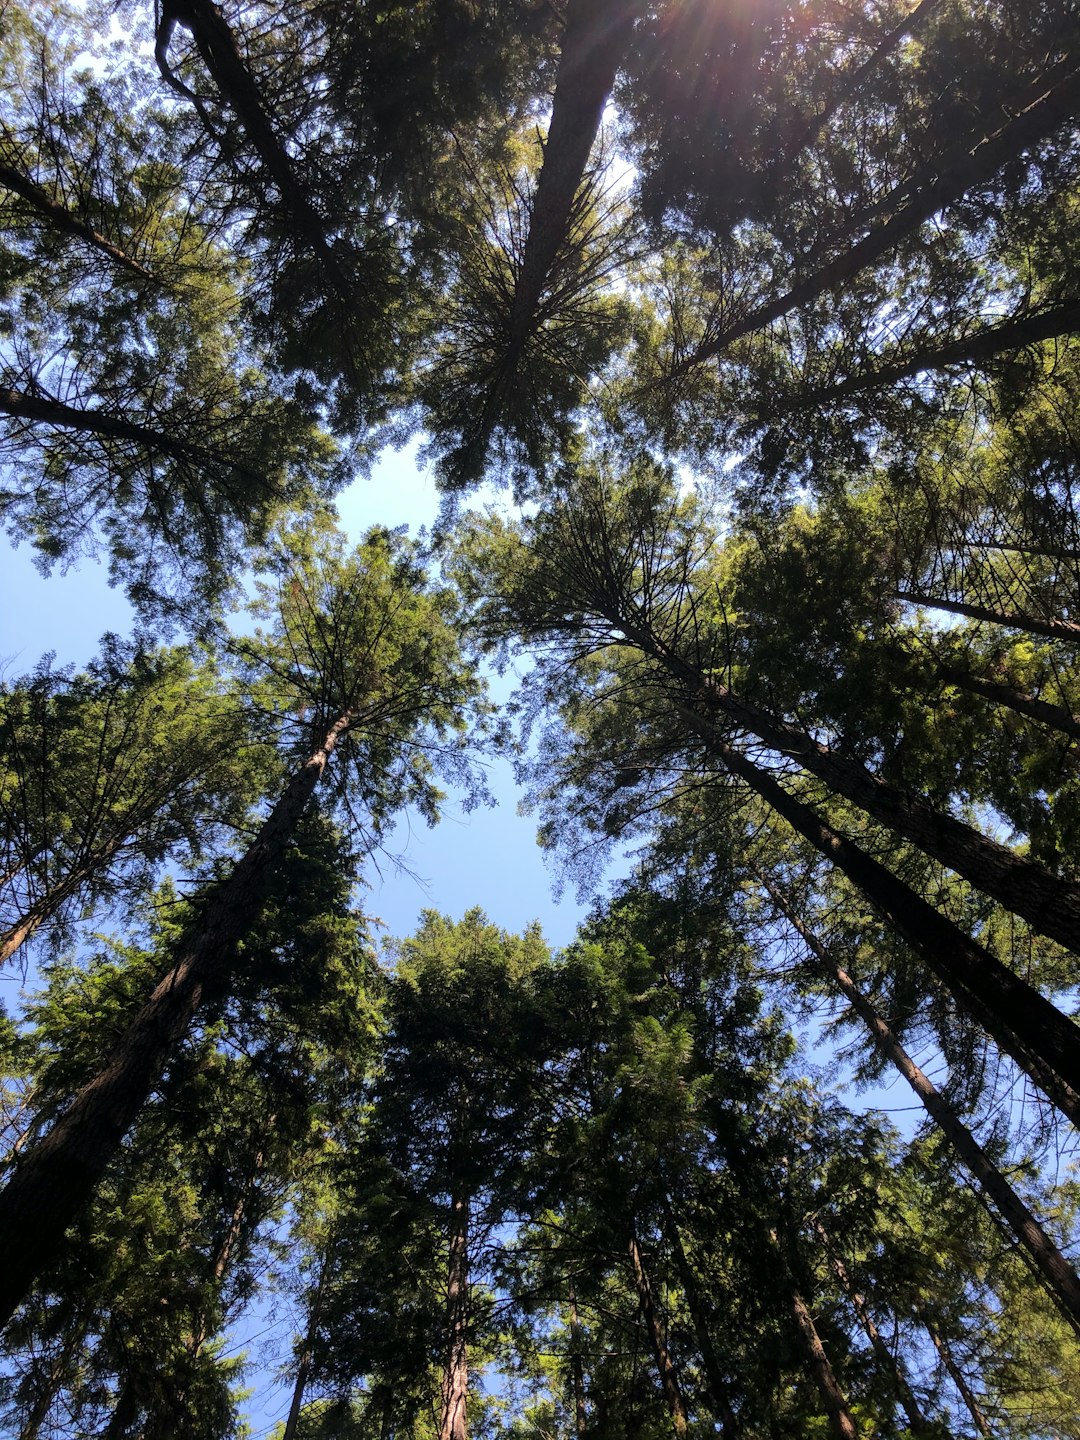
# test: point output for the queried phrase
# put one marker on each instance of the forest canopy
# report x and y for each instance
(742, 338)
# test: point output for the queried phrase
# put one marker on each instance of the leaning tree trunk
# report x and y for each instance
(1055, 717)
(455, 1383)
(303, 1369)
(833, 1400)
(577, 1368)
(1047, 105)
(941, 1345)
(1044, 1043)
(57, 1176)
(889, 1363)
(669, 1382)
(60, 218)
(1057, 1275)
(1055, 629)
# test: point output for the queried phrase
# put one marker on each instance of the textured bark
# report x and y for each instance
(1056, 717)
(977, 348)
(669, 1383)
(44, 410)
(1047, 105)
(833, 1399)
(62, 219)
(890, 1366)
(1044, 1043)
(714, 1374)
(957, 1376)
(56, 1177)
(455, 1383)
(1058, 1276)
(1049, 904)
(1011, 620)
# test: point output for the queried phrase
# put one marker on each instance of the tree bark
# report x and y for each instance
(717, 1384)
(1055, 717)
(957, 1376)
(62, 219)
(1047, 105)
(1044, 1043)
(1013, 620)
(818, 1368)
(1050, 904)
(669, 1383)
(1058, 1276)
(981, 345)
(455, 1384)
(890, 1366)
(44, 409)
(56, 1177)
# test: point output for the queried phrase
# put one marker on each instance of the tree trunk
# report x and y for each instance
(56, 1177)
(1056, 717)
(669, 1383)
(1049, 904)
(595, 38)
(44, 409)
(1058, 1276)
(1047, 105)
(890, 1366)
(717, 1384)
(1043, 1042)
(62, 219)
(303, 1369)
(977, 348)
(957, 1376)
(821, 1372)
(54, 1382)
(1014, 620)
(455, 1384)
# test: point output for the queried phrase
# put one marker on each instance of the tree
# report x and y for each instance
(366, 644)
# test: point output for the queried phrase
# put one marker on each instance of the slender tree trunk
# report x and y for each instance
(577, 1370)
(62, 219)
(56, 1177)
(1057, 1275)
(1047, 105)
(303, 1368)
(1050, 904)
(217, 45)
(977, 348)
(1056, 717)
(595, 38)
(36, 914)
(1012, 620)
(957, 1376)
(714, 1374)
(669, 1383)
(821, 1372)
(890, 1366)
(39, 408)
(1043, 1042)
(854, 83)
(455, 1384)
